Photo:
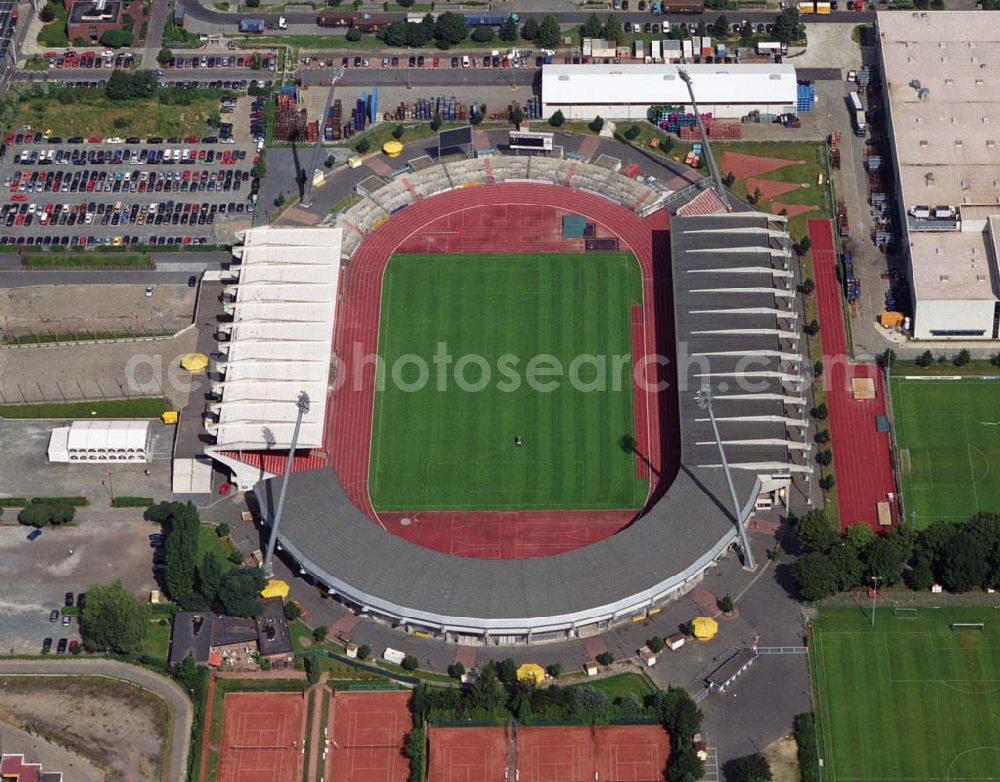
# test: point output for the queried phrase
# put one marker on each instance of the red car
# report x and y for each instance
(95, 140)
(20, 198)
(437, 61)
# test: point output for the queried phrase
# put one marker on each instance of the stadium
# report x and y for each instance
(483, 514)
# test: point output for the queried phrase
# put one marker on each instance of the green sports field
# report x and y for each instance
(909, 699)
(446, 447)
(948, 436)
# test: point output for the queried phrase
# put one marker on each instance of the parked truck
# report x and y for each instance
(252, 25)
(815, 7)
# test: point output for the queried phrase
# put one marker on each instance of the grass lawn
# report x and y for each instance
(948, 435)
(209, 541)
(97, 115)
(623, 684)
(145, 407)
(157, 643)
(54, 33)
(86, 260)
(909, 698)
(449, 446)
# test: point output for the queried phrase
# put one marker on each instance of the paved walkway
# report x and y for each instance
(316, 747)
(167, 689)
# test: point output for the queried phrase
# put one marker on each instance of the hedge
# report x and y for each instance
(805, 738)
(75, 501)
(126, 501)
(13, 502)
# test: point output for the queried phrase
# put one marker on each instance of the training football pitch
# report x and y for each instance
(948, 436)
(909, 699)
(449, 442)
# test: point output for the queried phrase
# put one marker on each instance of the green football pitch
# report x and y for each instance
(948, 437)
(449, 443)
(908, 699)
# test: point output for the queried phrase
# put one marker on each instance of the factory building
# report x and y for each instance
(727, 91)
(942, 96)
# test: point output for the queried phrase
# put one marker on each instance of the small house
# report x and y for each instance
(647, 656)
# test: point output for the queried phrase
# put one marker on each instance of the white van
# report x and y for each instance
(920, 212)
(465, 61)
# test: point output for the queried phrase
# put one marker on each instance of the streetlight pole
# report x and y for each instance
(712, 168)
(875, 580)
(302, 403)
(704, 400)
(314, 162)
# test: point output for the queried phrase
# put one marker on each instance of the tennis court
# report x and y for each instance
(467, 755)
(367, 733)
(912, 698)
(618, 753)
(948, 444)
(262, 737)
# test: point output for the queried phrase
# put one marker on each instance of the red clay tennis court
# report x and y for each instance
(467, 755)
(367, 734)
(262, 737)
(619, 753)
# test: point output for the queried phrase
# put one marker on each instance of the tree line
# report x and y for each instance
(450, 29)
(959, 557)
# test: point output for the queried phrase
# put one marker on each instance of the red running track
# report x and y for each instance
(489, 535)
(862, 456)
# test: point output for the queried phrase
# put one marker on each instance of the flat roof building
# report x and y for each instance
(727, 91)
(942, 95)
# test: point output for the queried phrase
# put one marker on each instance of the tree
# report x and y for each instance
(451, 27)
(920, 575)
(398, 131)
(209, 576)
(48, 12)
(554, 670)
(591, 702)
(292, 610)
(814, 531)
(750, 768)
(116, 39)
(124, 85)
(746, 33)
(632, 132)
(816, 576)
(353, 34)
(613, 28)
(925, 359)
(362, 145)
(508, 30)
(824, 457)
(319, 633)
(605, 658)
(859, 536)
(530, 30)
(961, 564)
(847, 564)
(655, 644)
(312, 670)
(410, 663)
(436, 122)
(222, 530)
(700, 28)
(592, 28)
(787, 27)
(113, 620)
(827, 482)
(597, 124)
(726, 604)
(678, 713)
(882, 560)
(486, 692)
(548, 33)
(507, 671)
(808, 286)
(557, 119)
(456, 670)
(483, 34)
(722, 27)
(181, 550)
(240, 589)
(962, 358)
(364, 651)
(165, 57)
(394, 34)
(516, 116)
(416, 747)
(820, 412)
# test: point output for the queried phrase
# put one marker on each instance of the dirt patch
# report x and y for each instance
(769, 188)
(115, 725)
(792, 210)
(784, 759)
(743, 166)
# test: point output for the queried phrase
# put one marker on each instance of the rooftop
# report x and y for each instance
(90, 12)
(942, 72)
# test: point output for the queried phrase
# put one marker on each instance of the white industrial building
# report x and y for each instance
(281, 297)
(100, 442)
(942, 91)
(727, 91)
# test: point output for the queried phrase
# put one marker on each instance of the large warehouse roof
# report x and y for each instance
(660, 84)
(282, 305)
(942, 72)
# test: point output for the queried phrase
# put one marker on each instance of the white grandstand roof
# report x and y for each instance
(283, 307)
(660, 84)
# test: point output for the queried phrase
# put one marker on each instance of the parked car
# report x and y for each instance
(54, 615)
(61, 646)
(46, 646)
(66, 620)
(34, 534)
(68, 599)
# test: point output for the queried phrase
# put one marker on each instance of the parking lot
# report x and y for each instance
(39, 573)
(117, 191)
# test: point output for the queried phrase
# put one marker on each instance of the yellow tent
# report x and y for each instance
(531, 672)
(275, 588)
(392, 148)
(705, 628)
(194, 362)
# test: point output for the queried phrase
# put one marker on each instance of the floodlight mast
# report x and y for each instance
(314, 162)
(712, 168)
(302, 403)
(704, 400)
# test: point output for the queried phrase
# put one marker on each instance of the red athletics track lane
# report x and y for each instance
(488, 534)
(862, 456)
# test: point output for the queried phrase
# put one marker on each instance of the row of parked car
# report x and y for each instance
(39, 137)
(86, 181)
(98, 157)
(268, 61)
(105, 59)
(101, 213)
(89, 240)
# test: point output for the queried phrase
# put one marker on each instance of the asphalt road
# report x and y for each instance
(168, 690)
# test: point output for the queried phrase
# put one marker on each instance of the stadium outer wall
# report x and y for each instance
(666, 550)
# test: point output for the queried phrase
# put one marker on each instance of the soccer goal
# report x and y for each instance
(958, 626)
(904, 613)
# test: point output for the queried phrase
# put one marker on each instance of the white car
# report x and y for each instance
(115, 140)
(149, 292)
